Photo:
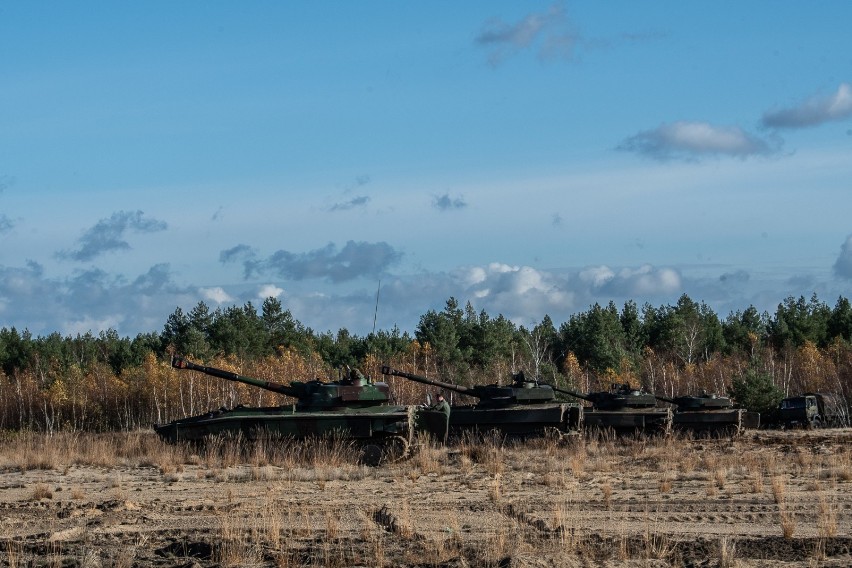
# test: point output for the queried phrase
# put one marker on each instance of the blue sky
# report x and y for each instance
(531, 158)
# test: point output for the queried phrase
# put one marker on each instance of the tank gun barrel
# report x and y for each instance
(426, 381)
(181, 363)
(666, 399)
(571, 393)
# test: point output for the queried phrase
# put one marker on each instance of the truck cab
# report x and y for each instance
(811, 410)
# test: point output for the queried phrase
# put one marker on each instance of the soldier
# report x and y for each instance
(443, 407)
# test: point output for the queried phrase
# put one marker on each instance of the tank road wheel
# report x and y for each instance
(371, 455)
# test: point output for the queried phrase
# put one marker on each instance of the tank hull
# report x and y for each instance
(374, 423)
(520, 421)
(727, 422)
(652, 420)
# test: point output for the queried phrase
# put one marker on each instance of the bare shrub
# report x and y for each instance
(235, 546)
(779, 489)
(827, 520)
(606, 492)
(487, 450)
(720, 476)
(727, 553)
(788, 521)
(495, 492)
(429, 456)
(41, 491)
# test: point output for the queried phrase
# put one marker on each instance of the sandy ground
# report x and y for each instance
(766, 499)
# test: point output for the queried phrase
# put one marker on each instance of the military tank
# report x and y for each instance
(710, 414)
(623, 409)
(354, 407)
(522, 409)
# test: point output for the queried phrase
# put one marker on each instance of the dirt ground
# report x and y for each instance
(765, 499)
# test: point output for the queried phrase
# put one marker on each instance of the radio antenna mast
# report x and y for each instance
(376, 313)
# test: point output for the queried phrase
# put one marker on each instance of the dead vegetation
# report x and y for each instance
(768, 499)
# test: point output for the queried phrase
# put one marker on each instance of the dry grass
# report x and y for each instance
(607, 500)
(779, 489)
(41, 491)
(606, 494)
(787, 520)
(827, 517)
(727, 553)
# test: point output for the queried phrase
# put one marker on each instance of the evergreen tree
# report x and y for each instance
(756, 391)
(840, 320)
(744, 331)
(15, 350)
(797, 321)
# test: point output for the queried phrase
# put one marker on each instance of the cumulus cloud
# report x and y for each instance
(269, 291)
(446, 203)
(525, 294)
(646, 281)
(108, 235)
(216, 294)
(692, 140)
(813, 111)
(94, 299)
(89, 300)
(548, 30)
(354, 260)
(843, 265)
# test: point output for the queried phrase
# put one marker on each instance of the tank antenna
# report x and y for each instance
(376, 313)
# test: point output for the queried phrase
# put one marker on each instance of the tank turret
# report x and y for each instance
(699, 402)
(618, 397)
(521, 391)
(522, 409)
(623, 409)
(354, 391)
(710, 415)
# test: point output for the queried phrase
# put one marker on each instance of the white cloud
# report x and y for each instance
(88, 324)
(216, 294)
(269, 291)
(644, 281)
(650, 281)
(691, 140)
(597, 276)
(814, 111)
(473, 275)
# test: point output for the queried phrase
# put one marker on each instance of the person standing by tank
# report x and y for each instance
(443, 407)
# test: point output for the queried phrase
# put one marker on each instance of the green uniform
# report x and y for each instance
(444, 408)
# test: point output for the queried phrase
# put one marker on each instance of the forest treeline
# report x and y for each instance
(107, 382)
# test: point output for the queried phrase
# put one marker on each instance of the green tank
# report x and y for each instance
(353, 407)
(524, 408)
(710, 414)
(623, 409)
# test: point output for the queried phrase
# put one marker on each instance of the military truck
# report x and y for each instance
(814, 410)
